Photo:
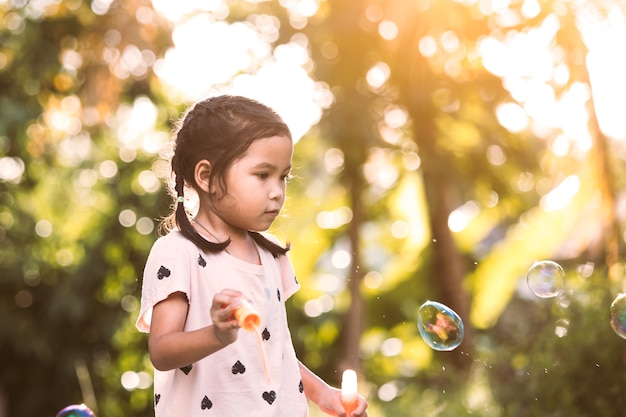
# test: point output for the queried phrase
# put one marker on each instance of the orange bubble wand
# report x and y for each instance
(349, 396)
(250, 320)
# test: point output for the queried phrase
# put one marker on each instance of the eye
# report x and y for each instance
(262, 175)
(286, 177)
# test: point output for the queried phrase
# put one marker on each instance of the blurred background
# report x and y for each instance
(443, 146)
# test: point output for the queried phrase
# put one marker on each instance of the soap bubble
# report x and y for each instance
(76, 410)
(618, 315)
(441, 328)
(546, 279)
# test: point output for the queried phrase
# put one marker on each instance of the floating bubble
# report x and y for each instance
(546, 279)
(618, 315)
(76, 410)
(441, 328)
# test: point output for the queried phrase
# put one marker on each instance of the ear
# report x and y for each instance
(202, 175)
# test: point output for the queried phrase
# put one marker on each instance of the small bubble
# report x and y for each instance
(546, 279)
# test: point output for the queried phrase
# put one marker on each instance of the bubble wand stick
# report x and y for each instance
(349, 397)
(250, 320)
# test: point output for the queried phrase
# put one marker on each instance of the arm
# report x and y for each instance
(171, 347)
(327, 398)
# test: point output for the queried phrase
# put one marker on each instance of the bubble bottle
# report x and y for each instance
(248, 318)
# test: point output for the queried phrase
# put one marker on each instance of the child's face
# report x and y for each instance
(256, 184)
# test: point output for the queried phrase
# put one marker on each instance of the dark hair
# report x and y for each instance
(219, 129)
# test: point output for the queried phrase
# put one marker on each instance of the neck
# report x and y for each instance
(206, 229)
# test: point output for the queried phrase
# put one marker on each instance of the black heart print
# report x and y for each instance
(278, 293)
(157, 397)
(301, 387)
(266, 334)
(163, 272)
(296, 279)
(206, 403)
(201, 261)
(270, 397)
(187, 369)
(238, 368)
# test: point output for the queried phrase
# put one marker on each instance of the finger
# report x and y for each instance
(231, 293)
(225, 300)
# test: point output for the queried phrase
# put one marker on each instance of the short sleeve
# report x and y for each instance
(167, 270)
(288, 276)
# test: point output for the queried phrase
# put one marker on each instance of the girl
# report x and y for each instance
(235, 154)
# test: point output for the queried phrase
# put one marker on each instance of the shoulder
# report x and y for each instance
(173, 242)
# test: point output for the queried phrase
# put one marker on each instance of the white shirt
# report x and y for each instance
(230, 382)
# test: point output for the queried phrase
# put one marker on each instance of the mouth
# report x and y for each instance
(273, 213)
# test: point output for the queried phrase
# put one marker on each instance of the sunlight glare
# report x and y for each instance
(527, 64)
(211, 57)
(307, 8)
(202, 58)
(531, 9)
(561, 195)
(607, 66)
(512, 117)
(176, 10)
(460, 218)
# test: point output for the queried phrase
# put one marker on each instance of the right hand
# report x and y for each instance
(223, 309)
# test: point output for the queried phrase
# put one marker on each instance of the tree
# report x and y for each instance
(67, 77)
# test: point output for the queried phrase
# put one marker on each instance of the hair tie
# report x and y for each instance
(180, 199)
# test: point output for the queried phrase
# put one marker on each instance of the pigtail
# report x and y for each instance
(275, 249)
(184, 225)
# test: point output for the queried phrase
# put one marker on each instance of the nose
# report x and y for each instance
(277, 192)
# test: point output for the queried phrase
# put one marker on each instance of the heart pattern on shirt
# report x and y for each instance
(206, 404)
(163, 272)
(270, 397)
(238, 368)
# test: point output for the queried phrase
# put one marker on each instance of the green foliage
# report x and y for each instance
(77, 223)
(555, 357)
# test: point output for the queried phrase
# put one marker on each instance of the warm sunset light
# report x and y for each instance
(451, 223)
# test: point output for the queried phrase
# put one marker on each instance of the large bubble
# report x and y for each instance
(617, 315)
(546, 279)
(440, 326)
